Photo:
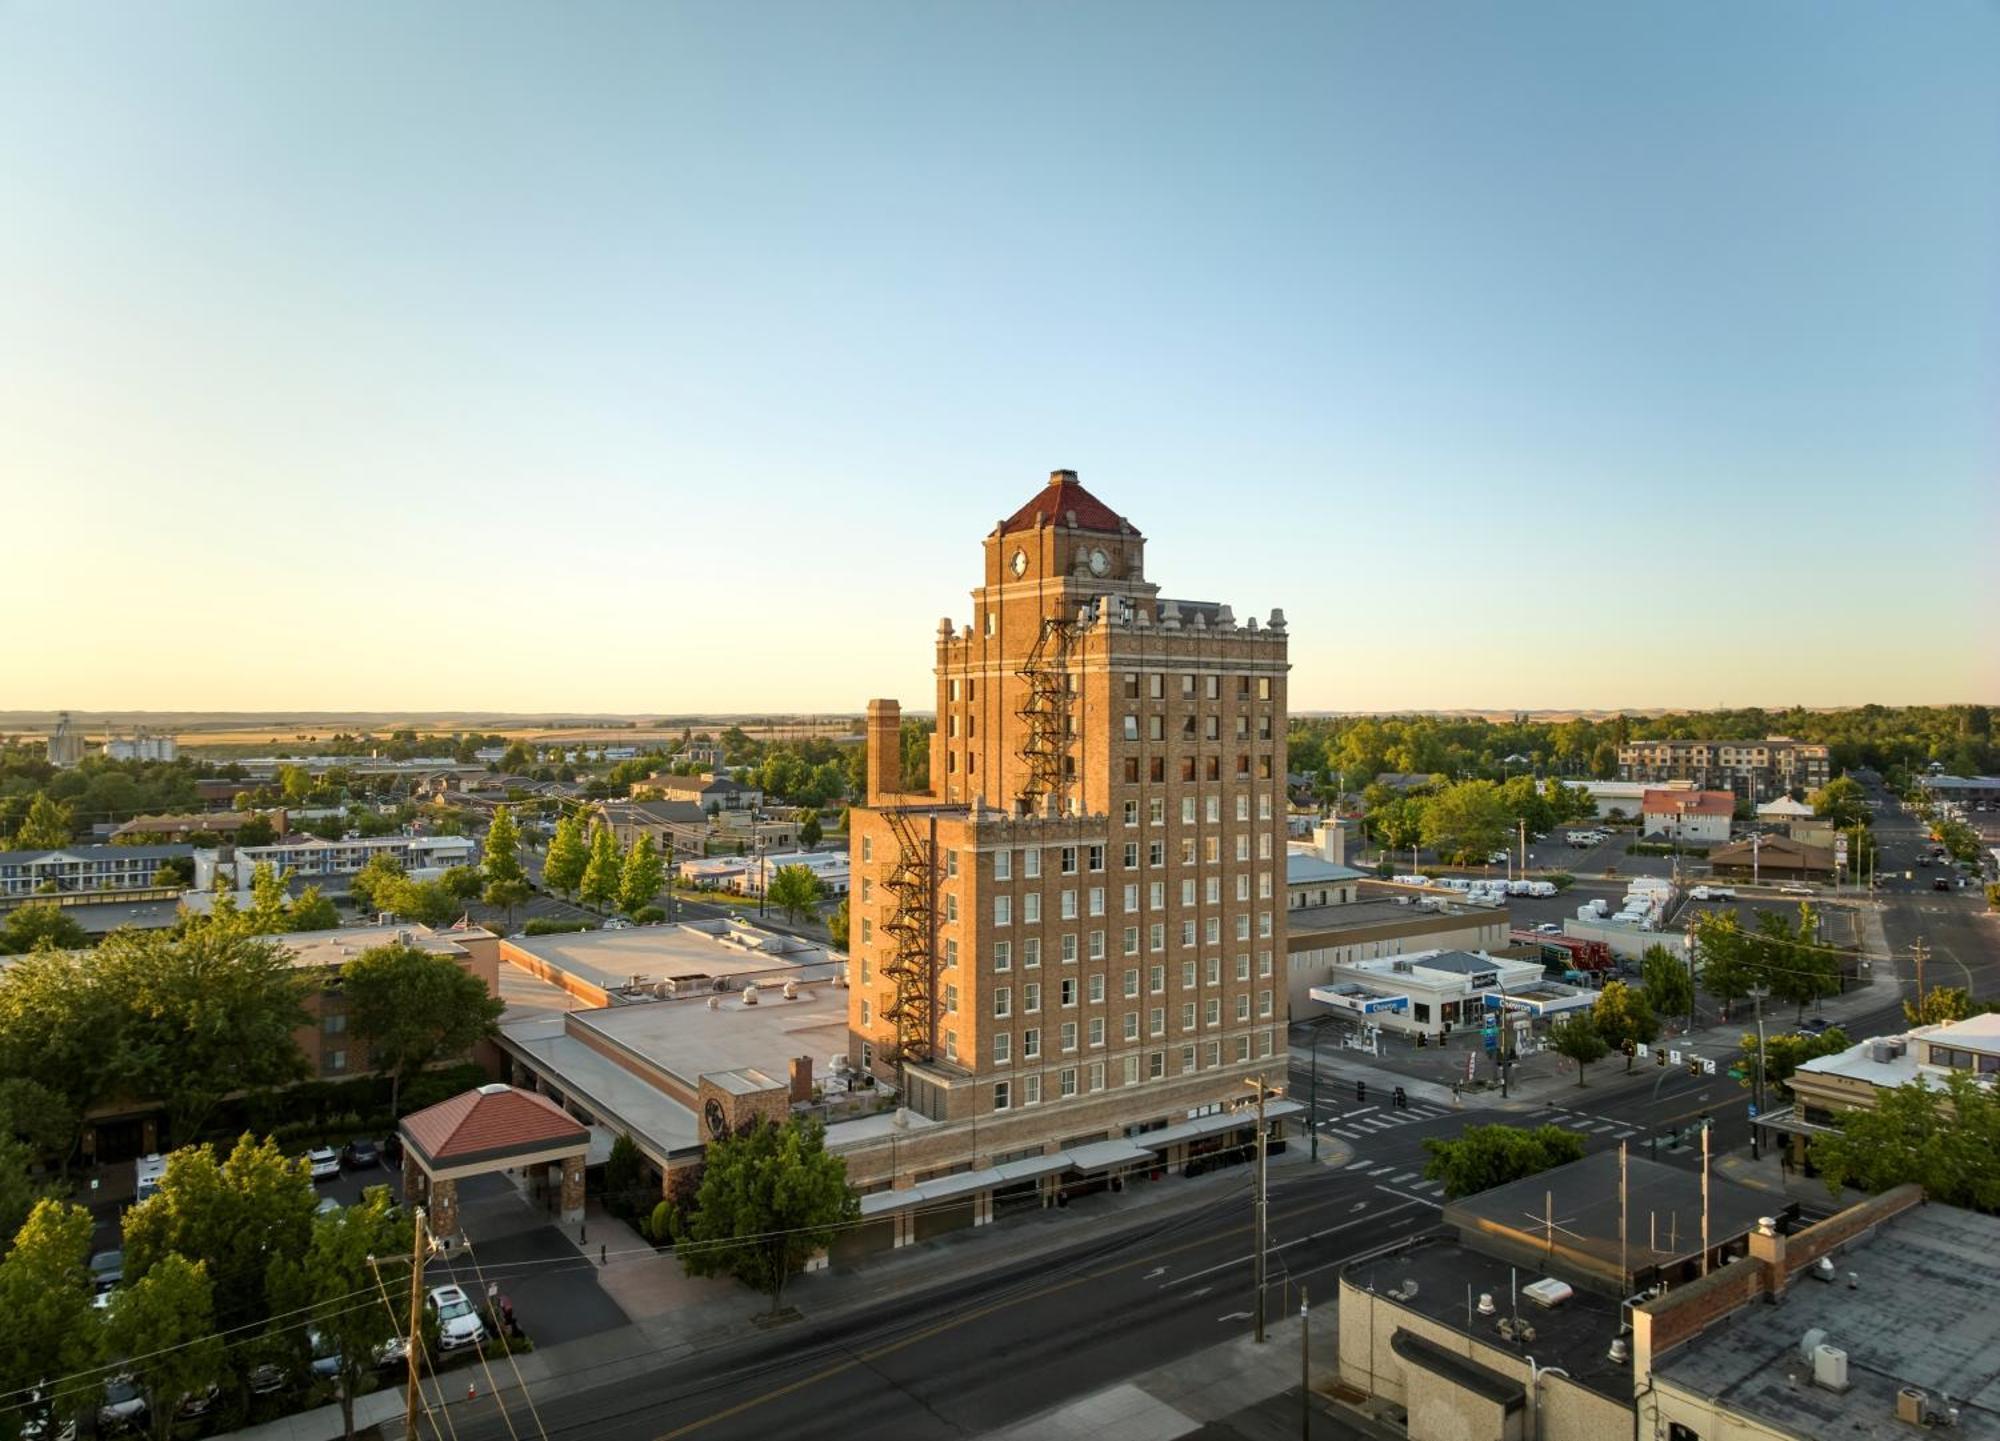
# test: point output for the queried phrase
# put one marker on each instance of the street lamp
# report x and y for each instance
(1757, 994)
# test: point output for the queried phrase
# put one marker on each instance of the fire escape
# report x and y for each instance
(1044, 717)
(911, 965)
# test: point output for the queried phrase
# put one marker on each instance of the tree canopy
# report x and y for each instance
(569, 855)
(795, 890)
(1624, 1019)
(412, 1007)
(1946, 1141)
(605, 869)
(506, 880)
(165, 1321)
(770, 1197)
(1482, 1157)
(39, 923)
(47, 1326)
(642, 877)
(1668, 985)
(1576, 1037)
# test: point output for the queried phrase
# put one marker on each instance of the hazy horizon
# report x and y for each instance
(1552, 358)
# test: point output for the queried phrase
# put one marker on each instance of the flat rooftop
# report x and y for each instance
(610, 959)
(1450, 1278)
(330, 948)
(1382, 911)
(688, 1039)
(605, 1088)
(1921, 1315)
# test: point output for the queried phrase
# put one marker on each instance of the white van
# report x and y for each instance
(151, 1171)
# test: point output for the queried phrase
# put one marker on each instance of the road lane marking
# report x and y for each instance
(1282, 1245)
(1405, 1195)
(1403, 1179)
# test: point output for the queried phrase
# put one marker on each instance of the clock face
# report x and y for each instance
(1099, 562)
(717, 1122)
(1019, 564)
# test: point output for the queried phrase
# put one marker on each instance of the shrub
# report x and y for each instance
(547, 926)
(648, 916)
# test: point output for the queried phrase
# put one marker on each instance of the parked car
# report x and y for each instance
(1815, 1025)
(123, 1407)
(107, 1269)
(1941, 883)
(458, 1319)
(267, 1379)
(328, 1205)
(325, 1162)
(360, 1155)
(325, 1355)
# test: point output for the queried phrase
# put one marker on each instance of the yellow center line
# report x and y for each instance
(952, 1323)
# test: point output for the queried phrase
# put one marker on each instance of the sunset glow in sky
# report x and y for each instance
(659, 358)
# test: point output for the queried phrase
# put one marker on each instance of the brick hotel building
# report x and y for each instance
(1078, 931)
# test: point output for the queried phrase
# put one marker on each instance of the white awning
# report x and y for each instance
(1220, 1121)
(1101, 1155)
(1029, 1168)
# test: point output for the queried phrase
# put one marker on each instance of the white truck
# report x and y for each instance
(151, 1171)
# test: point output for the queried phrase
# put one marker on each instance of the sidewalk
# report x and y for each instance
(1236, 1380)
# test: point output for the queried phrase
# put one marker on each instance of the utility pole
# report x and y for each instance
(1704, 1199)
(1263, 1201)
(1757, 994)
(1919, 952)
(413, 1350)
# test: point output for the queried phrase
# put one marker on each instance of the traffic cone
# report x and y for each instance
(472, 1390)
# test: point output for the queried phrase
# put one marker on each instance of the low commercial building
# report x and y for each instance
(1772, 858)
(1313, 880)
(676, 828)
(829, 868)
(1692, 817)
(212, 825)
(708, 789)
(85, 870)
(1431, 993)
(1375, 924)
(1615, 799)
(1783, 811)
(1977, 790)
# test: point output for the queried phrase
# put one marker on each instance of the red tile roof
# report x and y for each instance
(490, 1121)
(1061, 498)
(1693, 803)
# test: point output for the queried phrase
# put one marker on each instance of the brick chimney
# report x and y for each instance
(885, 750)
(802, 1079)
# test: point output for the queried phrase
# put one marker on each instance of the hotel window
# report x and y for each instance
(1242, 848)
(1132, 808)
(1211, 849)
(1097, 1030)
(1031, 952)
(1156, 811)
(1187, 932)
(1264, 886)
(950, 954)
(1003, 956)
(1031, 1043)
(1003, 865)
(1243, 1007)
(1156, 768)
(1094, 858)
(1096, 949)
(1156, 937)
(1031, 907)
(951, 865)
(1212, 730)
(1263, 687)
(333, 1061)
(1031, 998)
(999, 1095)
(1003, 910)
(1068, 860)
(864, 1014)
(1067, 907)
(1242, 1048)
(1132, 732)
(1069, 949)
(1212, 1053)
(1263, 845)
(1242, 928)
(1187, 685)
(1067, 1081)
(1187, 1060)
(867, 930)
(1187, 891)
(950, 908)
(1264, 807)
(1213, 927)
(1003, 1002)
(1031, 1090)
(1003, 1047)
(1131, 855)
(1263, 925)
(1156, 853)
(1187, 974)
(1131, 898)
(1097, 1075)
(1156, 979)
(1097, 989)
(1263, 1003)
(1156, 896)
(1187, 850)
(1131, 940)
(867, 849)
(1214, 967)
(1187, 1015)
(335, 1023)
(1131, 982)
(1156, 685)
(951, 1045)
(1131, 1025)
(1031, 862)
(1156, 1065)
(1068, 1035)
(1242, 968)
(867, 889)
(1211, 1010)
(1156, 1021)
(1096, 899)
(951, 1000)
(1131, 1069)
(1187, 808)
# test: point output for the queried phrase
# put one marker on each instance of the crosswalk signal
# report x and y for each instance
(1360, 1090)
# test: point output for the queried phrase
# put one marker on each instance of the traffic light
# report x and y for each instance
(1423, 1039)
(1694, 1065)
(1629, 1049)
(1659, 1055)
(1360, 1090)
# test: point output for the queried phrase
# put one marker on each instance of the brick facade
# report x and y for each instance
(1101, 934)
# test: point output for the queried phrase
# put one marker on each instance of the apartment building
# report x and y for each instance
(83, 869)
(318, 860)
(1755, 770)
(1074, 932)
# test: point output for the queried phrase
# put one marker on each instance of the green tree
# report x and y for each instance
(256, 831)
(1841, 801)
(506, 881)
(795, 890)
(413, 1007)
(209, 1013)
(461, 883)
(837, 924)
(60, 1020)
(378, 883)
(40, 923)
(1668, 985)
(312, 912)
(1623, 1019)
(1468, 820)
(643, 877)
(1722, 957)
(268, 899)
(625, 1189)
(769, 1198)
(602, 876)
(1397, 823)
(1482, 1157)
(48, 826)
(1576, 1037)
(809, 829)
(1788, 958)
(1941, 1004)
(235, 1216)
(41, 1119)
(569, 855)
(165, 1322)
(349, 1248)
(47, 1325)
(1785, 1052)
(1946, 1141)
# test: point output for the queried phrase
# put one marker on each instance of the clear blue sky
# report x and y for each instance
(649, 357)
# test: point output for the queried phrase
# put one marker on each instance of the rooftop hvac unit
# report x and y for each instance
(1823, 1270)
(715, 1003)
(1407, 1291)
(1620, 1349)
(1830, 1368)
(791, 990)
(750, 993)
(1811, 1342)
(1911, 1405)
(1486, 1306)
(1548, 1292)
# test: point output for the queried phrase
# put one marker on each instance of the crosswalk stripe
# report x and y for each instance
(1382, 1171)
(1406, 1176)
(1345, 1134)
(1358, 1166)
